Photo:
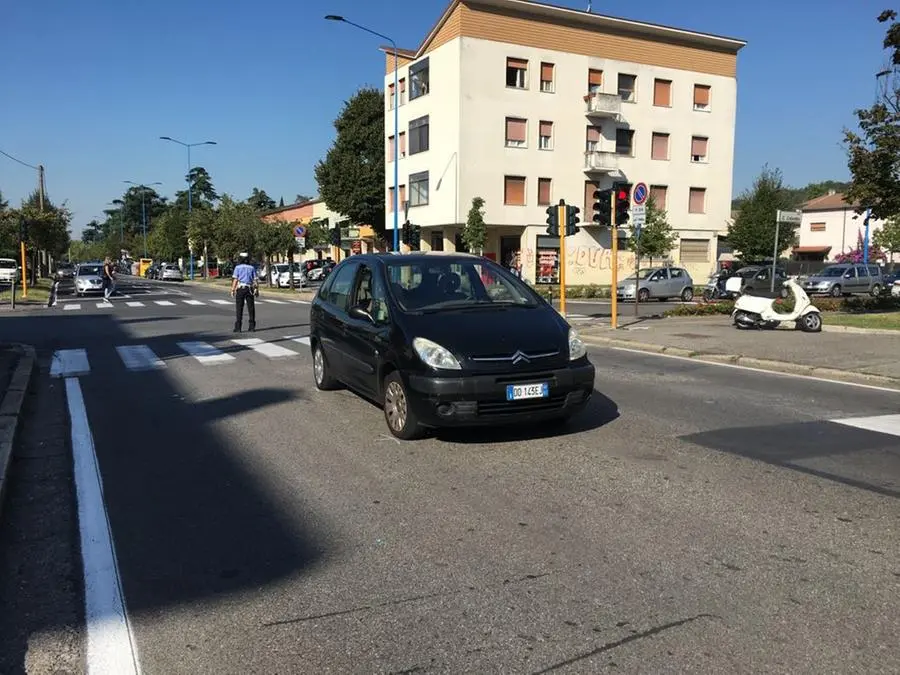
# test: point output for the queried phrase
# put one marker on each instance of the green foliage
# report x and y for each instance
(753, 232)
(874, 152)
(274, 236)
(236, 228)
(351, 177)
(202, 191)
(795, 197)
(853, 304)
(657, 237)
(81, 251)
(260, 201)
(317, 233)
(167, 240)
(888, 237)
(474, 234)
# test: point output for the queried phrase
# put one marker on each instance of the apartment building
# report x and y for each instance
(830, 226)
(523, 104)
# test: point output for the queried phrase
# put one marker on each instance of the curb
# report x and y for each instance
(11, 408)
(859, 331)
(769, 365)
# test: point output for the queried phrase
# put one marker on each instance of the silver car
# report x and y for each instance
(845, 279)
(661, 283)
(88, 279)
(170, 272)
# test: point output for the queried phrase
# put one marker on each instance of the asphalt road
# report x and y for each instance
(695, 519)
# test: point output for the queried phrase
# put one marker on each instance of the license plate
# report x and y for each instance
(517, 392)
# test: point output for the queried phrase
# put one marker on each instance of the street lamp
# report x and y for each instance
(121, 204)
(396, 198)
(189, 182)
(143, 187)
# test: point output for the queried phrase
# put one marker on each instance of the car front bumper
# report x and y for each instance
(441, 401)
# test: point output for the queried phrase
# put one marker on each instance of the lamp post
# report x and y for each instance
(121, 204)
(189, 181)
(143, 188)
(396, 197)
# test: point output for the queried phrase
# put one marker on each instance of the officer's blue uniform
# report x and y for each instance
(246, 276)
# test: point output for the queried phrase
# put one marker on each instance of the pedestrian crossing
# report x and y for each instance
(142, 357)
(191, 302)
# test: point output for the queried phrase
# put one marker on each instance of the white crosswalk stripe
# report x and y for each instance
(883, 424)
(294, 338)
(69, 363)
(104, 305)
(139, 357)
(164, 303)
(205, 353)
(274, 302)
(194, 302)
(135, 304)
(267, 349)
(222, 302)
(71, 307)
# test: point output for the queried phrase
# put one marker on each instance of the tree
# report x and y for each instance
(4, 205)
(657, 237)
(281, 203)
(168, 238)
(260, 201)
(48, 228)
(301, 198)
(236, 228)
(753, 232)
(201, 233)
(82, 251)
(93, 233)
(874, 153)
(888, 237)
(351, 177)
(274, 236)
(202, 191)
(317, 233)
(474, 234)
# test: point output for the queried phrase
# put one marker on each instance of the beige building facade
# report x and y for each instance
(830, 226)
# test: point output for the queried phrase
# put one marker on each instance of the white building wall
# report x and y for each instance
(841, 233)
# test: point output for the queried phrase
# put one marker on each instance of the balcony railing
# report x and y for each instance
(603, 105)
(598, 161)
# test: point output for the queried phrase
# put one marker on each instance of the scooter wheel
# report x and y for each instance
(743, 326)
(810, 323)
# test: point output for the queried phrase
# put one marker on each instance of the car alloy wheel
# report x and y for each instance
(811, 323)
(643, 295)
(687, 294)
(323, 379)
(400, 418)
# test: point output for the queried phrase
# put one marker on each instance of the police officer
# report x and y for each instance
(244, 287)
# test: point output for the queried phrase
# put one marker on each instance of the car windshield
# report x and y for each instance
(88, 270)
(447, 285)
(8, 264)
(833, 272)
(642, 274)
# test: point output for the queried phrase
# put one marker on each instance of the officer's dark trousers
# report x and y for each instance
(241, 296)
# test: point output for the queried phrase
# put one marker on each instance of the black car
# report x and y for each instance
(446, 339)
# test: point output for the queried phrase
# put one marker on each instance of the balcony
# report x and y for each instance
(603, 105)
(598, 161)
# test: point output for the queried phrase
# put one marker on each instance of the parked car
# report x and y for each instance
(756, 279)
(661, 283)
(280, 275)
(65, 270)
(9, 271)
(446, 339)
(170, 272)
(88, 279)
(845, 279)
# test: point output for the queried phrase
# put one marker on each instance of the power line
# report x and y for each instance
(16, 159)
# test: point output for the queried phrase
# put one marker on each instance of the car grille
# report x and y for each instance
(517, 357)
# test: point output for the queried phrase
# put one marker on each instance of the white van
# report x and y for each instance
(9, 271)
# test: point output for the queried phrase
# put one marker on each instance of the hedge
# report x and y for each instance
(586, 291)
(856, 304)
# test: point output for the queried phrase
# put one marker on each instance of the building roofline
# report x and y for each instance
(290, 207)
(598, 20)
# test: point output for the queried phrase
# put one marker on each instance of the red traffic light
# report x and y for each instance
(622, 194)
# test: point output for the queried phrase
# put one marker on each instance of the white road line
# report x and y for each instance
(265, 348)
(69, 363)
(761, 371)
(193, 302)
(104, 305)
(299, 302)
(139, 357)
(304, 340)
(205, 353)
(67, 308)
(222, 302)
(110, 643)
(164, 303)
(274, 302)
(885, 424)
(135, 304)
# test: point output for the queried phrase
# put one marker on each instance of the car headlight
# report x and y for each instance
(576, 346)
(432, 354)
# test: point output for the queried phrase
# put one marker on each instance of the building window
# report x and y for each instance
(625, 142)
(402, 144)
(544, 191)
(694, 251)
(595, 81)
(658, 194)
(547, 78)
(418, 79)
(545, 135)
(517, 73)
(390, 207)
(699, 148)
(589, 188)
(659, 148)
(390, 154)
(701, 96)
(817, 227)
(516, 132)
(627, 87)
(418, 189)
(437, 240)
(592, 144)
(697, 200)
(662, 93)
(514, 190)
(391, 97)
(402, 91)
(418, 135)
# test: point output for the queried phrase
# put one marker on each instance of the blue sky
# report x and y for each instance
(86, 88)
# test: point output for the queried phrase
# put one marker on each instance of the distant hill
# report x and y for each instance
(804, 194)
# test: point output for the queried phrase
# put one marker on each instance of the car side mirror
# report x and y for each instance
(358, 312)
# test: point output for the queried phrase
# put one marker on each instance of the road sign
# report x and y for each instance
(299, 231)
(301, 241)
(640, 194)
(792, 217)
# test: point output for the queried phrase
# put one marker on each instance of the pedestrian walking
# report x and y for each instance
(109, 278)
(244, 288)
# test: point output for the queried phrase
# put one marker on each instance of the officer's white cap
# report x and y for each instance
(244, 255)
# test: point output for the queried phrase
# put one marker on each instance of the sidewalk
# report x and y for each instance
(837, 355)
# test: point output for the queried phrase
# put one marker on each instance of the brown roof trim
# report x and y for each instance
(543, 9)
(835, 202)
(811, 249)
(389, 50)
(290, 207)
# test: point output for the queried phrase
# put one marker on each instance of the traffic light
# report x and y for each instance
(404, 233)
(415, 237)
(335, 236)
(602, 215)
(553, 221)
(23, 230)
(623, 202)
(572, 220)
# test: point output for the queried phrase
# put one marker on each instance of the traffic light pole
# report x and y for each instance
(614, 265)
(561, 218)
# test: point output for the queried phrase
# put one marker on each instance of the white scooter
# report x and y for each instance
(752, 311)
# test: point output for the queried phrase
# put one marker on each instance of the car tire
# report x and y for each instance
(876, 290)
(398, 415)
(643, 295)
(321, 371)
(687, 295)
(836, 291)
